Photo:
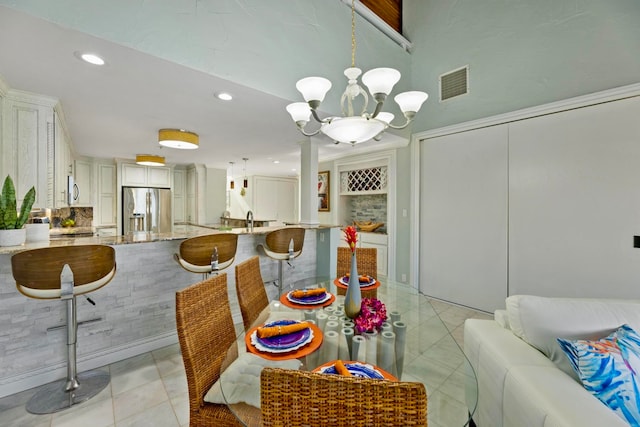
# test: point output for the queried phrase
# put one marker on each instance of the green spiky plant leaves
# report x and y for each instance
(9, 217)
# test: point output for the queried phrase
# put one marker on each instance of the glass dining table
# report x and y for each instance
(423, 351)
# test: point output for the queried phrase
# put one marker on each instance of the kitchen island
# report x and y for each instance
(136, 310)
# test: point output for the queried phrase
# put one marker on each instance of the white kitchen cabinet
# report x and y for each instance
(62, 164)
(192, 193)
(105, 212)
(159, 176)
(83, 175)
(179, 199)
(275, 199)
(27, 144)
(378, 241)
(107, 232)
(146, 176)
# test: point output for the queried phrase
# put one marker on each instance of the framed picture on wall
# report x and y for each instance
(323, 191)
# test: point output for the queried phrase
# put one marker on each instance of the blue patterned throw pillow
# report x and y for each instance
(609, 369)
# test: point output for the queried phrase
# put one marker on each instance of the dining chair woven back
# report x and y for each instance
(367, 259)
(300, 398)
(252, 296)
(205, 331)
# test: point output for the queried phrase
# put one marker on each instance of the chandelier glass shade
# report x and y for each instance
(178, 138)
(149, 160)
(355, 126)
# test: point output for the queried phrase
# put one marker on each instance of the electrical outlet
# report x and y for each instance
(403, 278)
(321, 237)
(404, 213)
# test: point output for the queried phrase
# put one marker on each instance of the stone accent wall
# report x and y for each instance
(137, 309)
(370, 207)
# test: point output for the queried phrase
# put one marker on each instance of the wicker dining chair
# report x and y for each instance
(300, 398)
(205, 331)
(367, 259)
(252, 296)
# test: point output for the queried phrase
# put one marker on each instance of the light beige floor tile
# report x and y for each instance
(19, 417)
(445, 352)
(133, 372)
(169, 364)
(450, 412)
(175, 384)
(431, 374)
(158, 416)
(181, 408)
(95, 414)
(139, 399)
(454, 386)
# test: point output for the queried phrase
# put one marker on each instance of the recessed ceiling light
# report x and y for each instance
(293, 170)
(224, 96)
(91, 58)
(276, 161)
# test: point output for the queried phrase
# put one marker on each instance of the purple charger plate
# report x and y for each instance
(281, 342)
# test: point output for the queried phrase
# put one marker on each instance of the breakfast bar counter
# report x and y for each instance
(134, 313)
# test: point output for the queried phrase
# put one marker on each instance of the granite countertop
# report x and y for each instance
(183, 231)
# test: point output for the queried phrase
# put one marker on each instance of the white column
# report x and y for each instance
(309, 182)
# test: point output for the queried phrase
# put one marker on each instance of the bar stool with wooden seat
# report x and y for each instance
(283, 245)
(367, 259)
(64, 272)
(207, 254)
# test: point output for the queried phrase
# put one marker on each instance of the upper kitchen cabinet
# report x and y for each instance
(105, 214)
(62, 165)
(179, 199)
(134, 175)
(275, 199)
(83, 175)
(28, 153)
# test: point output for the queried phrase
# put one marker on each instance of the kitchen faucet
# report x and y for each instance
(250, 221)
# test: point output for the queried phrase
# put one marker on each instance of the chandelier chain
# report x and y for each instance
(353, 33)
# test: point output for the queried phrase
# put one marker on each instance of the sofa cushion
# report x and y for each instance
(539, 321)
(609, 369)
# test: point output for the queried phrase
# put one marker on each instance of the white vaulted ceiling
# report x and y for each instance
(165, 61)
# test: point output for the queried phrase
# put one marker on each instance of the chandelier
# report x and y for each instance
(351, 127)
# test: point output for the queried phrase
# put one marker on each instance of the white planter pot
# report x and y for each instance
(14, 237)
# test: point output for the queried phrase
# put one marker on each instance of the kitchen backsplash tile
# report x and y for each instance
(82, 216)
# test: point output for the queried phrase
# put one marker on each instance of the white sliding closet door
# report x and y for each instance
(463, 217)
(575, 202)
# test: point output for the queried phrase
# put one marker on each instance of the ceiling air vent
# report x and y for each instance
(454, 83)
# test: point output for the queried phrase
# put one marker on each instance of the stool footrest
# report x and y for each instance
(53, 397)
(95, 319)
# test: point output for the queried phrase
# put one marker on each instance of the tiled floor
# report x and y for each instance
(151, 389)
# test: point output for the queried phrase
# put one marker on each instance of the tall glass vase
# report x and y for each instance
(353, 298)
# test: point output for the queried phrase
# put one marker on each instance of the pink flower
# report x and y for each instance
(372, 315)
(351, 237)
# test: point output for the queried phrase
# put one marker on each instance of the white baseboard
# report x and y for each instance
(24, 381)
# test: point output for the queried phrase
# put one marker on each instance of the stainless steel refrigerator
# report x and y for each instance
(146, 210)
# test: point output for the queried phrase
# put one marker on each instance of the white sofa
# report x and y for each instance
(524, 379)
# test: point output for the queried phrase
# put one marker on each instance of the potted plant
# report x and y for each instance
(12, 232)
